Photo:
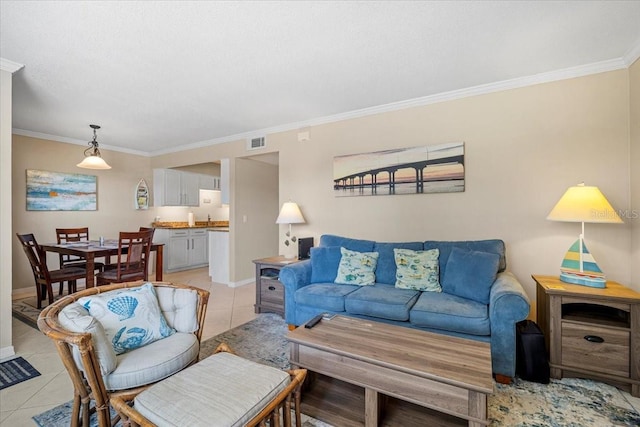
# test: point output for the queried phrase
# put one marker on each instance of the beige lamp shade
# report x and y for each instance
(93, 162)
(583, 203)
(290, 214)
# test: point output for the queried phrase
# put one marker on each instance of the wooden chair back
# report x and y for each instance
(36, 256)
(69, 235)
(134, 248)
(42, 276)
(88, 383)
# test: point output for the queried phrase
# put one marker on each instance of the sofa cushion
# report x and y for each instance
(357, 268)
(76, 318)
(450, 313)
(153, 362)
(179, 307)
(357, 245)
(470, 274)
(131, 317)
(325, 296)
(417, 270)
(324, 263)
(494, 246)
(386, 268)
(381, 300)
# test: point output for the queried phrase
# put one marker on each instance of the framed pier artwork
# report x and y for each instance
(418, 170)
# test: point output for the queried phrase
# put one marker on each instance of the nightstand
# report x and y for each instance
(591, 332)
(269, 290)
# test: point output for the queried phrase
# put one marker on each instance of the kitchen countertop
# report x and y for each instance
(212, 225)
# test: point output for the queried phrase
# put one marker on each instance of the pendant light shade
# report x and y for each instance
(93, 159)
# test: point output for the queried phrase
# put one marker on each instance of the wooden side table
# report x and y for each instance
(591, 332)
(269, 290)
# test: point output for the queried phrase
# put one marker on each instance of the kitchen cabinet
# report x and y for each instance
(185, 248)
(209, 182)
(175, 188)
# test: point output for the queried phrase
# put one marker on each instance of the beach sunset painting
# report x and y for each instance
(55, 191)
(418, 170)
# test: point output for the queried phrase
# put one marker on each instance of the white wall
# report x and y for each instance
(634, 126)
(6, 235)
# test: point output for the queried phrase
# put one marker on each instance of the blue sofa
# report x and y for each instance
(480, 300)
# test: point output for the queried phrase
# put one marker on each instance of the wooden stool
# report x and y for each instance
(222, 390)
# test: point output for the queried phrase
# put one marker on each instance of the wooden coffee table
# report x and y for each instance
(371, 374)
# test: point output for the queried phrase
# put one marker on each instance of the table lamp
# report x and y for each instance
(290, 214)
(583, 204)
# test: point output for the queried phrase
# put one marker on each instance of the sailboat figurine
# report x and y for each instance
(580, 268)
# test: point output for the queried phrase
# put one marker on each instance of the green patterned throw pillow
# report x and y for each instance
(417, 270)
(357, 268)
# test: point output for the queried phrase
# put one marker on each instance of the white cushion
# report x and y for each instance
(222, 390)
(131, 317)
(179, 307)
(153, 362)
(76, 318)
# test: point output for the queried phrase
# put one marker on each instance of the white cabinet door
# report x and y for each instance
(178, 252)
(208, 182)
(199, 248)
(190, 184)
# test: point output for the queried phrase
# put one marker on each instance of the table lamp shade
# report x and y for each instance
(583, 204)
(290, 214)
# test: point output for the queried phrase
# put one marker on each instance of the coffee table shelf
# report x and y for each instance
(385, 367)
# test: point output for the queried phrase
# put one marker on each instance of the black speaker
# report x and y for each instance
(531, 355)
(304, 247)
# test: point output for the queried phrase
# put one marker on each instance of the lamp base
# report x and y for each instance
(290, 256)
(593, 282)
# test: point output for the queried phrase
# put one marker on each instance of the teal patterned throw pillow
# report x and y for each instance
(357, 268)
(417, 270)
(131, 317)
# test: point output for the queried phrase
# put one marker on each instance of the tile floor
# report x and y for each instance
(228, 308)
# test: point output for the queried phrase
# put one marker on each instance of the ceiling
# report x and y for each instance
(160, 77)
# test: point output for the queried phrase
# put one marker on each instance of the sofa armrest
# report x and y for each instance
(294, 277)
(508, 304)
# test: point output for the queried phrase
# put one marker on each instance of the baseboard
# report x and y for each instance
(7, 352)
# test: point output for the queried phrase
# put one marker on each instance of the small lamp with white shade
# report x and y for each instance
(290, 214)
(583, 204)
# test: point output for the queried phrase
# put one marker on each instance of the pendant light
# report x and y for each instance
(93, 159)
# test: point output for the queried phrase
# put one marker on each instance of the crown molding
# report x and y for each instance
(10, 66)
(564, 74)
(632, 54)
(66, 140)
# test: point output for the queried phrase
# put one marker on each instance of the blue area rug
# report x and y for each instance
(15, 371)
(568, 402)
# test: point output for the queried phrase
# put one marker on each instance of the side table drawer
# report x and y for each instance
(610, 356)
(271, 291)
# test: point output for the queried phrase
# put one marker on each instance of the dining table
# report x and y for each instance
(90, 250)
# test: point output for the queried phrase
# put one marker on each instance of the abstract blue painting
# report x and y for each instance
(56, 191)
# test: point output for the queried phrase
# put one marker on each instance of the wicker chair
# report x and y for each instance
(81, 354)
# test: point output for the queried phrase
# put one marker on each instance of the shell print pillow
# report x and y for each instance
(131, 317)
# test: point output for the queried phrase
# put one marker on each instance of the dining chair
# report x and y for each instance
(70, 235)
(132, 259)
(44, 277)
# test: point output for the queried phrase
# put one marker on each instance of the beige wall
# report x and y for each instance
(116, 189)
(634, 126)
(6, 236)
(255, 209)
(523, 149)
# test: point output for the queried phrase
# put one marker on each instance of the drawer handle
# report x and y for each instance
(594, 338)
(272, 288)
